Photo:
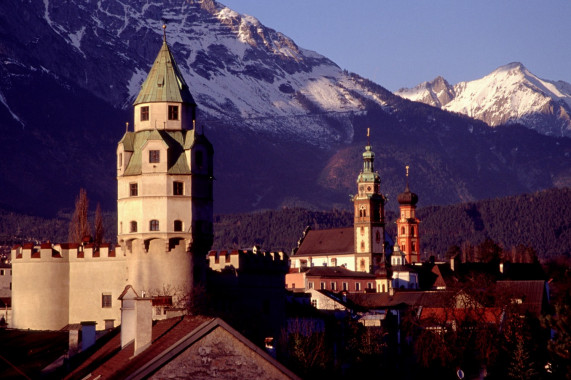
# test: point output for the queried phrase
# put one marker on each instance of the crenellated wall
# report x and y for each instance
(57, 284)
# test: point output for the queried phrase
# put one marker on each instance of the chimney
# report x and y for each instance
(87, 334)
(136, 320)
(73, 346)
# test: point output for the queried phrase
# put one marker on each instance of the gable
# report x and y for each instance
(219, 354)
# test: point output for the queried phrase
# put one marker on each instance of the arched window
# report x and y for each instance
(362, 246)
(154, 225)
(362, 231)
(412, 231)
(363, 266)
(402, 230)
(378, 237)
(413, 247)
(178, 225)
(133, 226)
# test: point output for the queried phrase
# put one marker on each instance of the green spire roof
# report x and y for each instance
(164, 82)
(368, 174)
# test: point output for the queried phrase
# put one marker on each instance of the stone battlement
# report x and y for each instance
(61, 252)
(246, 259)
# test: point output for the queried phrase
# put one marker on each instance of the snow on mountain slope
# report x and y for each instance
(510, 94)
(238, 70)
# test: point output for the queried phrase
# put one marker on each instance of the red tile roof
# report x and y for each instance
(110, 361)
(332, 241)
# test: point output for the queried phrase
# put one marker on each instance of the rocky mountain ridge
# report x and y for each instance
(288, 125)
(511, 94)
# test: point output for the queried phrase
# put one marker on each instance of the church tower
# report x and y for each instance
(369, 226)
(407, 225)
(164, 184)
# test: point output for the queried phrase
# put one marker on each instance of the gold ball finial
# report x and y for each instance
(164, 26)
(407, 169)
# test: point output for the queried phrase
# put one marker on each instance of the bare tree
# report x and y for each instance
(99, 229)
(79, 225)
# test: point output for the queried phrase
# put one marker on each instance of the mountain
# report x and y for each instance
(510, 94)
(287, 124)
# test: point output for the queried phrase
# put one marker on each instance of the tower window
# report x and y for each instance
(178, 188)
(412, 231)
(173, 112)
(154, 156)
(178, 225)
(413, 247)
(145, 113)
(402, 231)
(133, 189)
(154, 225)
(133, 226)
(106, 300)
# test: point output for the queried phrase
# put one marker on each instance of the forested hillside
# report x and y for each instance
(541, 221)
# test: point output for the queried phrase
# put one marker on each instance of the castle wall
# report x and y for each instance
(158, 270)
(91, 277)
(40, 288)
(55, 285)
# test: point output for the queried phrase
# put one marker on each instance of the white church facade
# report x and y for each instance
(164, 212)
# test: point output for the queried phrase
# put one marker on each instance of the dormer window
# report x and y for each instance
(154, 156)
(145, 113)
(173, 112)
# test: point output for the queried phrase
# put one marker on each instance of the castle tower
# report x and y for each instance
(164, 184)
(407, 225)
(369, 226)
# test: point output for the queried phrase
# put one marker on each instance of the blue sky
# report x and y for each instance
(400, 43)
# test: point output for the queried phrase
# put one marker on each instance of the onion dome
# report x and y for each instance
(407, 197)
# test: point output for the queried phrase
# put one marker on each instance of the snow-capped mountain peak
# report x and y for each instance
(510, 94)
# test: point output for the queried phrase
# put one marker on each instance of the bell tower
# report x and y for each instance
(408, 237)
(369, 224)
(164, 183)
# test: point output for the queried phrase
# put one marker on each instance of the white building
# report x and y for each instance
(164, 207)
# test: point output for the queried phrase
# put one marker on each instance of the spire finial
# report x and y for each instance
(127, 127)
(165, 33)
(368, 136)
(407, 167)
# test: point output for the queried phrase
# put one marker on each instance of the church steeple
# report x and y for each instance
(369, 226)
(164, 93)
(407, 225)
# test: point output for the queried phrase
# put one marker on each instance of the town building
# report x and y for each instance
(165, 211)
(407, 224)
(359, 248)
